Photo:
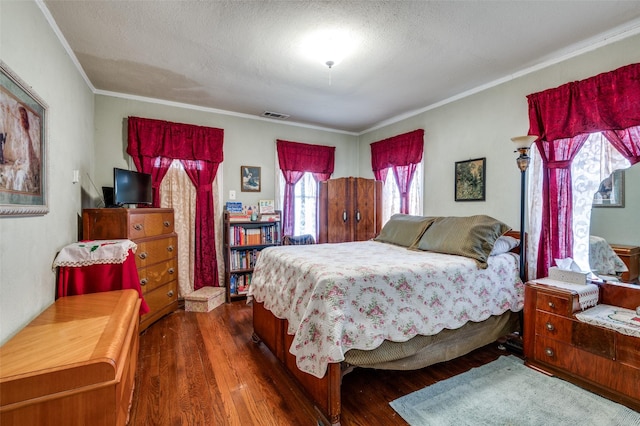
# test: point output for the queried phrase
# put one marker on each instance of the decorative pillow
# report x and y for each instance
(504, 244)
(471, 236)
(404, 230)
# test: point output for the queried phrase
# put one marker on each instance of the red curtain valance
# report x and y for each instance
(158, 138)
(400, 150)
(302, 157)
(153, 145)
(607, 101)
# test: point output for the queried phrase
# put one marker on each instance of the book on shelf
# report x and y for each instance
(240, 235)
(270, 217)
(239, 217)
(239, 283)
(234, 206)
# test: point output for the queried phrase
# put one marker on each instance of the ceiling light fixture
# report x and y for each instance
(329, 47)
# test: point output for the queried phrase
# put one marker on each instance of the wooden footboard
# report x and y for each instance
(325, 392)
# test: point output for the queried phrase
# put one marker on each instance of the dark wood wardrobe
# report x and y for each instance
(349, 209)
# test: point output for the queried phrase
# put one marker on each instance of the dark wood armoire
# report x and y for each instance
(349, 209)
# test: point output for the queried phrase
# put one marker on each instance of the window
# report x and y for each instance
(596, 160)
(391, 195)
(305, 204)
(178, 192)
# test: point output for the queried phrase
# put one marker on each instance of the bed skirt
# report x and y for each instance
(422, 351)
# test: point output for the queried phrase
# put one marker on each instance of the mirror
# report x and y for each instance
(621, 225)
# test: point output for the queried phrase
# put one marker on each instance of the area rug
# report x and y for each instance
(506, 392)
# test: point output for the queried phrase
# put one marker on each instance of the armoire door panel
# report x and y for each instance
(365, 207)
(339, 211)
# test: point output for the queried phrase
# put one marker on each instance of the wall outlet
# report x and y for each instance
(232, 195)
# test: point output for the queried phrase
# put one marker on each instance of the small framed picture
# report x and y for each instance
(250, 178)
(267, 206)
(470, 180)
(23, 148)
(611, 191)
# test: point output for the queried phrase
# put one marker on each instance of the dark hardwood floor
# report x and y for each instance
(204, 369)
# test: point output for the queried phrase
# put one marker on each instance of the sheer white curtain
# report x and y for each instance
(596, 160)
(534, 209)
(179, 193)
(391, 195)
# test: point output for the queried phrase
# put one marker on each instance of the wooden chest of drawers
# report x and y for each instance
(596, 358)
(74, 364)
(156, 256)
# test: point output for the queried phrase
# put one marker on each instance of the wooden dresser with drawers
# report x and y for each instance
(152, 229)
(600, 359)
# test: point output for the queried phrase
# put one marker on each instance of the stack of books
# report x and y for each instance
(271, 217)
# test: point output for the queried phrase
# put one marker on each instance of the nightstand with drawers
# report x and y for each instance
(596, 358)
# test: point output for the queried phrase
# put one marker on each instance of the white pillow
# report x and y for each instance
(504, 244)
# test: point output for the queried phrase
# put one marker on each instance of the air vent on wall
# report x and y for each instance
(275, 115)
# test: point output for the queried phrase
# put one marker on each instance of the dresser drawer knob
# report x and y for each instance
(170, 294)
(143, 281)
(143, 255)
(166, 223)
(552, 305)
(138, 227)
(171, 270)
(549, 352)
(170, 248)
(550, 326)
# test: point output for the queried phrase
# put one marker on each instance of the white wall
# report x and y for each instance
(482, 124)
(28, 245)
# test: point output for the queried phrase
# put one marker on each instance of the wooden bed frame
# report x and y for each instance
(324, 392)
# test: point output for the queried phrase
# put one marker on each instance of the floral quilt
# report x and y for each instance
(355, 295)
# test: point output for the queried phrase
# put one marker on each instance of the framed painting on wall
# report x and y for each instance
(470, 180)
(250, 179)
(23, 139)
(611, 191)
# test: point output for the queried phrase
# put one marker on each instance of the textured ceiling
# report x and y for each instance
(246, 56)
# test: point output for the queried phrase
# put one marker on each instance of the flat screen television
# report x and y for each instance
(131, 187)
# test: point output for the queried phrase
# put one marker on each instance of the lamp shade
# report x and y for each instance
(524, 141)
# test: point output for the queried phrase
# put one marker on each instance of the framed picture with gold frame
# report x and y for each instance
(23, 148)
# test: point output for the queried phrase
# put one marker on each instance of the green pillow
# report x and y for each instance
(404, 230)
(471, 236)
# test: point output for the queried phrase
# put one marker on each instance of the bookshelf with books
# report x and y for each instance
(243, 240)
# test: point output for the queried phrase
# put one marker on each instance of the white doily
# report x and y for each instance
(95, 252)
(622, 320)
(587, 293)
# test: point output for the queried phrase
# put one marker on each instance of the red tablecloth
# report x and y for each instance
(74, 280)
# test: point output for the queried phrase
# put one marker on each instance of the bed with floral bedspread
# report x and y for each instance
(426, 290)
(355, 295)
